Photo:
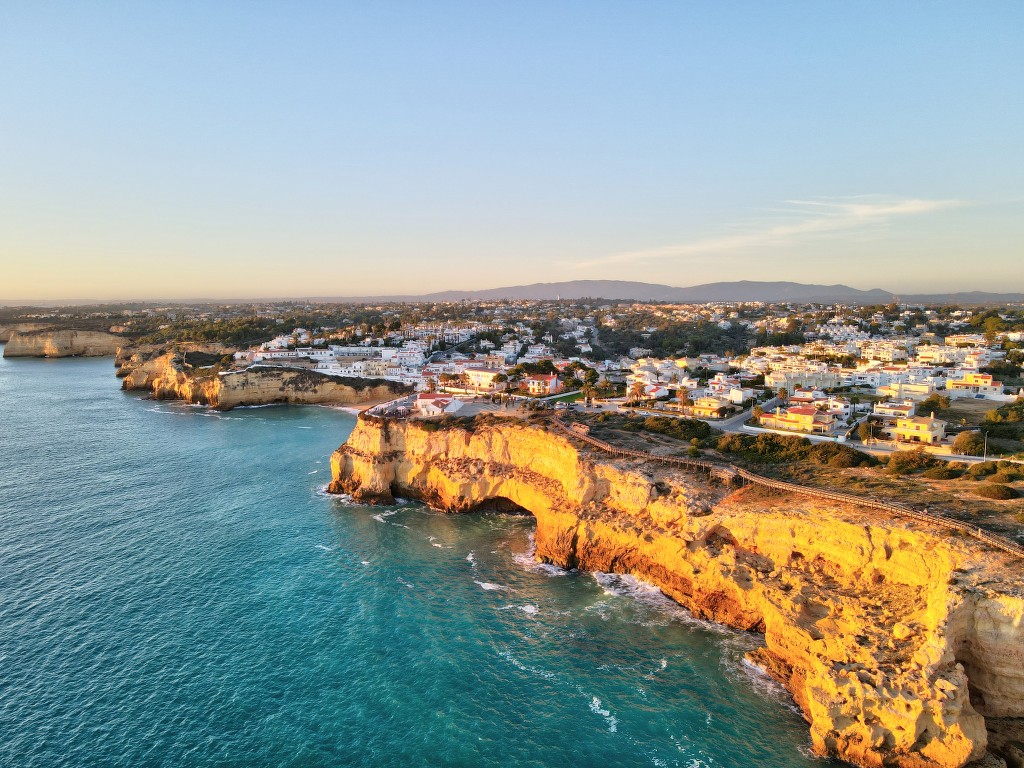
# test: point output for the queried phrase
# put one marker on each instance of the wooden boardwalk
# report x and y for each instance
(723, 471)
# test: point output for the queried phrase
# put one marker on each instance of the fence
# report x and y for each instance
(902, 510)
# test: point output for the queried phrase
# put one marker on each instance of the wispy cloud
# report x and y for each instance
(795, 221)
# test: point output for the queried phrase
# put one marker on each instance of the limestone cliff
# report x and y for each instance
(895, 639)
(68, 343)
(6, 331)
(169, 378)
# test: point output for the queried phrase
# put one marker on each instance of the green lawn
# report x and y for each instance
(567, 398)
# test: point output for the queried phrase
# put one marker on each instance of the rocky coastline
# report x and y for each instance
(168, 375)
(901, 644)
(60, 343)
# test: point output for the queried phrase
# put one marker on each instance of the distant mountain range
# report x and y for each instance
(740, 290)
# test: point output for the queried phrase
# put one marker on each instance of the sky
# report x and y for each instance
(278, 149)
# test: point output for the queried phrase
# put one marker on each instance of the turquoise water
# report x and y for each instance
(175, 590)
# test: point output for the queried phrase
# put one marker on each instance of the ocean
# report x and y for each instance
(177, 590)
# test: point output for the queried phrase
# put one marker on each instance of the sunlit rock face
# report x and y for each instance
(162, 374)
(895, 639)
(61, 344)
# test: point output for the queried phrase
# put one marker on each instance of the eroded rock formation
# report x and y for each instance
(896, 640)
(6, 331)
(67, 343)
(168, 376)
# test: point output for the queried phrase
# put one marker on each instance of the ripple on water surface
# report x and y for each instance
(176, 590)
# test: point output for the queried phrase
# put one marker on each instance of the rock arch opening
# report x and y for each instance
(501, 504)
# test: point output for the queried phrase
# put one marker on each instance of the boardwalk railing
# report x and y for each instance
(710, 467)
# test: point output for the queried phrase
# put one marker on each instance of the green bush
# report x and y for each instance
(778, 449)
(941, 473)
(908, 462)
(1004, 476)
(681, 429)
(998, 492)
(982, 468)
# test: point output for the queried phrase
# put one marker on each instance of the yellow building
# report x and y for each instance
(802, 418)
(974, 384)
(919, 429)
(483, 378)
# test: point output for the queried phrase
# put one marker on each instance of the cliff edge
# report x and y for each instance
(896, 639)
(168, 376)
(67, 343)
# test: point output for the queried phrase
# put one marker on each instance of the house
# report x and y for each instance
(483, 378)
(894, 409)
(903, 390)
(801, 418)
(807, 396)
(541, 385)
(974, 384)
(839, 407)
(918, 429)
(435, 404)
(707, 407)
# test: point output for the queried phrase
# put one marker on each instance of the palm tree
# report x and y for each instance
(588, 392)
(637, 391)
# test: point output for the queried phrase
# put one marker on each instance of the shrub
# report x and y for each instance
(907, 462)
(1004, 476)
(997, 492)
(941, 473)
(777, 449)
(982, 468)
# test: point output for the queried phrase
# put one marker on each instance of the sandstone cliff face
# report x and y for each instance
(894, 639)
(168, 379)
(62, 344)
(6, 331)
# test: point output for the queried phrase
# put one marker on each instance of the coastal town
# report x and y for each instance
(878, 377)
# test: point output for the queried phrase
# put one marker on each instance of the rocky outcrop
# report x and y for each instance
(68, 343)
(895, 640)
(168, 376)
(6, 331)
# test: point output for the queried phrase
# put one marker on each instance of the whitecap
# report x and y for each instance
(596, 708)
(491, 587)
(324, 547)
(530, 610)
(315, 471)
(526, 562)
(471, 559)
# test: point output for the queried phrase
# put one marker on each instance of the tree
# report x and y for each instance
(758, 411)
(588, 392)
(866, 431)
(782, 394)
(637, 391)
(969, 444)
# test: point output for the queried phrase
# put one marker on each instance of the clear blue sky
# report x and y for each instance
(265, 149)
